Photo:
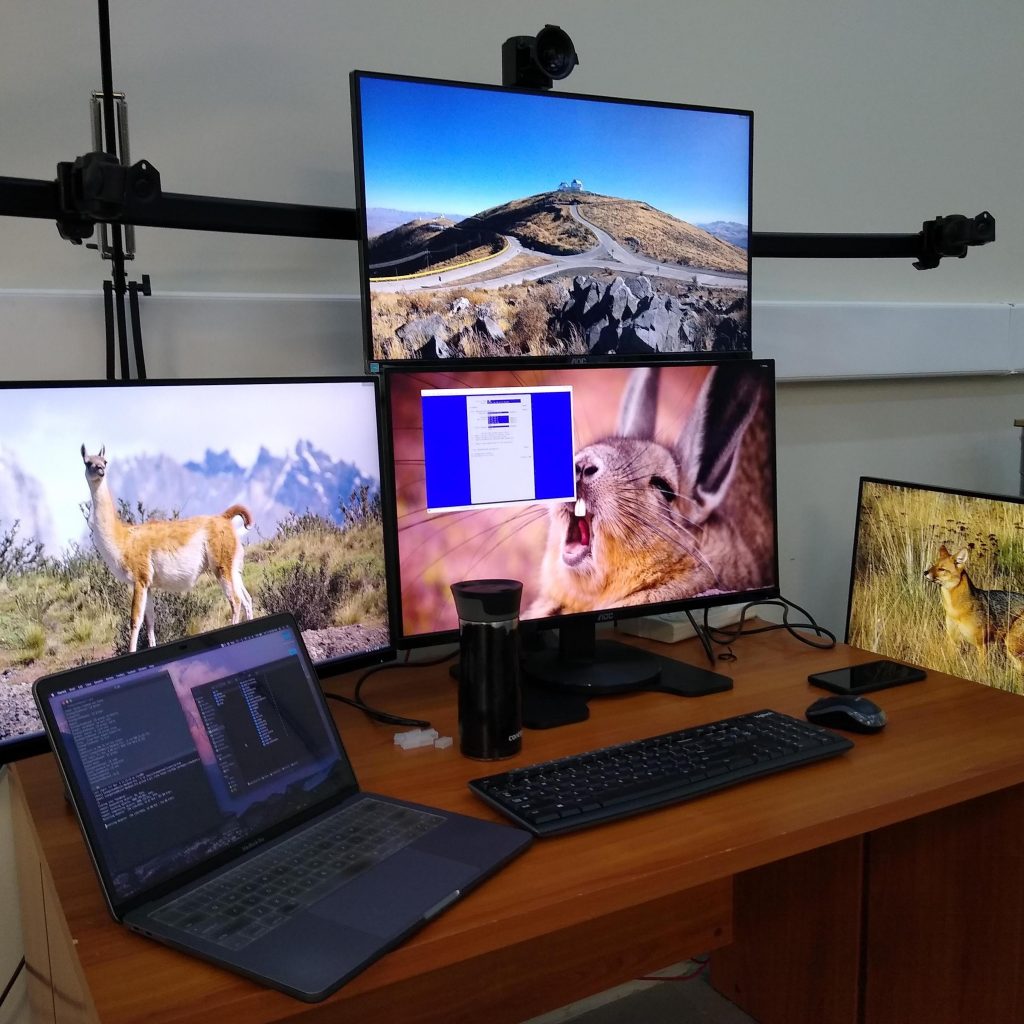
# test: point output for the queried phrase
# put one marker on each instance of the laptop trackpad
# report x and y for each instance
(393, 896)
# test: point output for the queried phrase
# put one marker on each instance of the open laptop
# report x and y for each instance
(224, 818)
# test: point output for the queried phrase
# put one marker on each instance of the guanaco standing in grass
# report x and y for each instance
(166, 554)
(981, 617)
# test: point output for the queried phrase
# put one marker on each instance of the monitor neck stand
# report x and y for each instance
(585, 665)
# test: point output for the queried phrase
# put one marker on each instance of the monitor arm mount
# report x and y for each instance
(101, 188)
(943, 236)
(96, 188)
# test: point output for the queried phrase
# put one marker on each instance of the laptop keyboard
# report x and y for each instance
(246, 902)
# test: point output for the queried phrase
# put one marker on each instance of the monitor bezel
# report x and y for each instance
(374, 365)
(29, 744)
(1010, 499)
(402, 641)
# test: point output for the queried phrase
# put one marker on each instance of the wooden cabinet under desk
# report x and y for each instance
(886, 885)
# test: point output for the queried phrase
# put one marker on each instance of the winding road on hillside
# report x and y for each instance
(607, 254)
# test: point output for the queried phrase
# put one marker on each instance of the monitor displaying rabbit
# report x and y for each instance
(673, 467)
(661, 519)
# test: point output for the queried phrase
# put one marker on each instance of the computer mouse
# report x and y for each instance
(847, 711)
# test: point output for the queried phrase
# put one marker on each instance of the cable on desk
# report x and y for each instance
(377, 714)
(725, 635)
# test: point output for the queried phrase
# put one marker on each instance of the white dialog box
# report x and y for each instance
(501, 461)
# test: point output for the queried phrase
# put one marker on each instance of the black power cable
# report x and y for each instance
(377, 714)
(725, 635)
(10, 984)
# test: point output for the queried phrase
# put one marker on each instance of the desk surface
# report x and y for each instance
(948, 741)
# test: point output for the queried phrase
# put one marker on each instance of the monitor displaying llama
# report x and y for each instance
(134, 514)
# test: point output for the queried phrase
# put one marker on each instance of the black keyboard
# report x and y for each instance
(601, 785)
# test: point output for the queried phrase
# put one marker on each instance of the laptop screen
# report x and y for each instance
(199, 750)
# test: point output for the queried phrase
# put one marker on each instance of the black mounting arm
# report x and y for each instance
(943, 236)
(97, 188)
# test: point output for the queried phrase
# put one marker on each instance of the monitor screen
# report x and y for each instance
(607, 490)
(502, 222)
(160, 509)
(938, 580)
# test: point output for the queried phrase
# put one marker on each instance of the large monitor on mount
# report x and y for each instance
(508, 222)
(154, 510)
(609, 491)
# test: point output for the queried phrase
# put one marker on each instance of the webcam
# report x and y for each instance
(536, 61)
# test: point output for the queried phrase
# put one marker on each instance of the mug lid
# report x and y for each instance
(487, 600)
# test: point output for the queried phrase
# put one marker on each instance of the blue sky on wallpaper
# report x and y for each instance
(460, 150)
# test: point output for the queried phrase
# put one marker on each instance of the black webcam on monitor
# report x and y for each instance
(536, 61)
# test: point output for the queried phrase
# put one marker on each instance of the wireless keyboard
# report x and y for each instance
(614, 782)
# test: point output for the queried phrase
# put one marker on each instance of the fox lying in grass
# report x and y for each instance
(981, 617)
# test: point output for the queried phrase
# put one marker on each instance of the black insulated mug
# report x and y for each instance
(490, 710)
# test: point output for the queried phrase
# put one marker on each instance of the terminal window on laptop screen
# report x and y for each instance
(196, 753)
(938, 580)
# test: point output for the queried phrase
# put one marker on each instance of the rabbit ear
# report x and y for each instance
(639, 406)
(710, 443)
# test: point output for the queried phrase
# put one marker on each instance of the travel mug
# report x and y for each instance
(490, 709)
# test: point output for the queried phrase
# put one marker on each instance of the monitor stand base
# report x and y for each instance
(584, 665)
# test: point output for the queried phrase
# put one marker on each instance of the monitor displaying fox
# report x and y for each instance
(938, 580)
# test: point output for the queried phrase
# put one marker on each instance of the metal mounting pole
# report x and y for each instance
(115, 142)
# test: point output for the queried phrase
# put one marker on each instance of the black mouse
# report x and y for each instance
(847, 711)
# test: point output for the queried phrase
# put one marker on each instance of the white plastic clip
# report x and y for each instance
(415, 738)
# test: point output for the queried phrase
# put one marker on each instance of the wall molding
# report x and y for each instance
(863, 340)
(60, 335)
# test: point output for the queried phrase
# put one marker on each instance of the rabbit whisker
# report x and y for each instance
(509, 534)
(644, 527)
(685, 524)
(639, 485)
(531, 515)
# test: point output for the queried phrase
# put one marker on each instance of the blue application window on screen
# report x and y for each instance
(497, 446)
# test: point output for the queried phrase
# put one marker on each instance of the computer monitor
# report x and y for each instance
(608, 491)
(283, 477)
(502, 222)
(938, 580)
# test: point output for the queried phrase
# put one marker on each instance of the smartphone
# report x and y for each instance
(872, 675)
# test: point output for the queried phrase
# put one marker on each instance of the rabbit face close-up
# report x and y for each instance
(659, 520)
(627, 497)
(627, 534)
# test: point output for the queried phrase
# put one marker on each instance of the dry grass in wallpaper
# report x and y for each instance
(914, 545)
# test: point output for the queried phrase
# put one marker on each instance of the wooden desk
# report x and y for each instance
(885, 885)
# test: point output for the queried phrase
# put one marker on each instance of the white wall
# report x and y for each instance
(869, 116)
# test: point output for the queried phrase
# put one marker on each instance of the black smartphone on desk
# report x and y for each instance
(872, 675)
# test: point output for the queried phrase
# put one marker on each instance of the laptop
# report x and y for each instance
(224, 819)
